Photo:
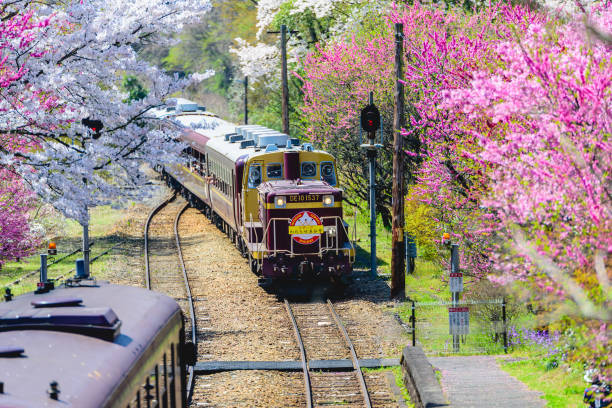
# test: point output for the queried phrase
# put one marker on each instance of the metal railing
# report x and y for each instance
(334, 246)
(261, 245)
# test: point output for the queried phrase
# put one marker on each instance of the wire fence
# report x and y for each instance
(28, 281)
(461, 327)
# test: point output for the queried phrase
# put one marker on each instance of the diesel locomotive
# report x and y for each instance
(277, 199)
(93, 344)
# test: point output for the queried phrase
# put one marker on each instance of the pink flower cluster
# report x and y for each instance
(17, 36)
(513, 110)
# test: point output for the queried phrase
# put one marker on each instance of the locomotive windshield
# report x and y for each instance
(254, 175)
(309, 169)
(274, 170)
(327, 173)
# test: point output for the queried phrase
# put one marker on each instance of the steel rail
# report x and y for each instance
(362, 383)
(194, 338)
(190, 380)
(305, 368)
(146, 237)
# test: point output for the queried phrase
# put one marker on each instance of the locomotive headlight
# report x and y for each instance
(280, 201)
(328, 200)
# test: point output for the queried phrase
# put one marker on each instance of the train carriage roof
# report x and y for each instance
(228, 139)
(86, 368)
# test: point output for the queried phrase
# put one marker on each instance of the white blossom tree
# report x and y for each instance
(316, 21)
(71, 70)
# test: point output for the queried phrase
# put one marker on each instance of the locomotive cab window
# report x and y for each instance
(309, 169)
(327, 173)
(254, 175)
(274, 170)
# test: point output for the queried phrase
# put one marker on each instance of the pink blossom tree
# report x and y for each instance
(512, 108)
(18, 31)
(16, 202)
(548, 155)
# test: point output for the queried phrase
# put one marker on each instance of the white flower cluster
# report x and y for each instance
(86, 50)
(257, 60)
(320, 8)
(260, 59)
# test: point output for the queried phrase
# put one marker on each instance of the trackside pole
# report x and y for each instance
(43, 268)
(369, 119)
(86, 250)
(372, 165)
(246, 100)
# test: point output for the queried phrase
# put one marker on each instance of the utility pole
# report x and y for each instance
(285, 101)
(398, 274)
(246, 100)
(284, 80)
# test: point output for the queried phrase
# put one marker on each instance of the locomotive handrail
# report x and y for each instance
(336, 247)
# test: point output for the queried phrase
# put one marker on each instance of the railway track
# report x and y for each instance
(164, 278)
(320, 334)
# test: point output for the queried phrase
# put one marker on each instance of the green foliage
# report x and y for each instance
(134, 87)
(306, 24)
(562, 386)
(206, 45)
(420, 222)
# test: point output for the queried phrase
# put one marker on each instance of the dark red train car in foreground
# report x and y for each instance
(92, 345)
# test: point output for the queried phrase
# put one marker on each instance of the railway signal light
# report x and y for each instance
(94, 125)
(370, 119)
(52, 248)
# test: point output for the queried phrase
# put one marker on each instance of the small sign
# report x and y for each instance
(456, 282)
(459, 320)
(305, 228)
(411, 247)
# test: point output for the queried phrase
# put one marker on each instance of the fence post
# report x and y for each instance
(505, 326)
(413, 321)
(455, 295)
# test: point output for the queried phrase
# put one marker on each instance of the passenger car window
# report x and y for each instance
(254, 175)
(309, 169)
(274, 170)
(327, 173)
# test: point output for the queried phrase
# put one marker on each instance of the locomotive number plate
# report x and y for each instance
(304, 198)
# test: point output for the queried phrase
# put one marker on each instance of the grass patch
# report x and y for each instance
(383, 241)
(399, 381)
(102, 219)
(561, 388)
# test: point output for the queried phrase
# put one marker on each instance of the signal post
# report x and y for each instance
(370, 121)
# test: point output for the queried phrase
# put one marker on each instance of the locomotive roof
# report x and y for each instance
(86, 368)
(297, 187)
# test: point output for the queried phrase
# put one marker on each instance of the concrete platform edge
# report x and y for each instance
(420, 380)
